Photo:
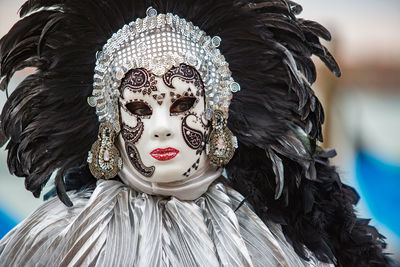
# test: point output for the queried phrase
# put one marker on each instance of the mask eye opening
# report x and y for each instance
(183, 104)
(138, 108)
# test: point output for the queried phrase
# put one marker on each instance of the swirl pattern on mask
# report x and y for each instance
(186, 73)
(131, 135)
(193, 138)
(136, 161)
(139, 80)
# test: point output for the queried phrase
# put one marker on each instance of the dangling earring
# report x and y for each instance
(104, 158)
(222, 143)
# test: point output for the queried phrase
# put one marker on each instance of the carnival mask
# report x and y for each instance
(163, 130)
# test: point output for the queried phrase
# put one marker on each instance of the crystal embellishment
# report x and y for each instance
(216, 41)
(235, 87)
(151, 12)
(90, 157)
(106, 155)
(208, 114)
(91, 101)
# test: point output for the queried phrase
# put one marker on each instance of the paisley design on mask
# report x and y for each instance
(139, 81)
(185, 73)
(136, 161)
(193, 138)
(131, 135)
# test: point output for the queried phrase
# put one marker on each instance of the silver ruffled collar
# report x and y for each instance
(117, 226)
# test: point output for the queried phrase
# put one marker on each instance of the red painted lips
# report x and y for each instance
(164, 154)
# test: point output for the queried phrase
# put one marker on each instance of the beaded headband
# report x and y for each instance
(157, 43)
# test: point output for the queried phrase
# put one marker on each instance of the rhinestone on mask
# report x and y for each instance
(235, 87)
(151, 12)
(216, 41)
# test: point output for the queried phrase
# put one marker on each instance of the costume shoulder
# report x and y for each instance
(55, 232)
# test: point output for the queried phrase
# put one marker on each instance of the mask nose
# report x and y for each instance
(162, 133)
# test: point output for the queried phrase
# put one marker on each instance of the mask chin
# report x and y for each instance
(169, 184)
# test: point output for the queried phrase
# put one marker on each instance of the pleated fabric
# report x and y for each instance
(115, 225)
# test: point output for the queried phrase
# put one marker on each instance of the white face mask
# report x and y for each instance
(163, 128)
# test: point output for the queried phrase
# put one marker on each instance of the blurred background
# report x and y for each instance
(362, 109)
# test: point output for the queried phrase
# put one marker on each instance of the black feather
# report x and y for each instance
(315, 28)
(33, 5)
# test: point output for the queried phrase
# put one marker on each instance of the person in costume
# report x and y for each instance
(179, 133)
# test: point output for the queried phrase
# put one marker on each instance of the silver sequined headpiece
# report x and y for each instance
(157, 43)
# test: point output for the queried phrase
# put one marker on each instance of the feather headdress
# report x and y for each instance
(276, 117)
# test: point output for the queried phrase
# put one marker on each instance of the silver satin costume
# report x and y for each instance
(115, 225)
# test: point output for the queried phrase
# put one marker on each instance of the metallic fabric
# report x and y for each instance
(115, 225)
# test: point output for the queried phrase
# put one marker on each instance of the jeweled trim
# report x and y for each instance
(157, 43)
